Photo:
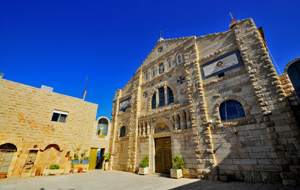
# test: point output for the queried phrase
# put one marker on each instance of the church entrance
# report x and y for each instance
(163, 155)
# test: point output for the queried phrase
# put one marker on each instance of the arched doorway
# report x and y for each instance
(6, 154)
(163, 150)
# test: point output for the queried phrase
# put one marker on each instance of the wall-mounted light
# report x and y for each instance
(235, 131)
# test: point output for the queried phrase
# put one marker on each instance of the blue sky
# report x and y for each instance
(59, 43)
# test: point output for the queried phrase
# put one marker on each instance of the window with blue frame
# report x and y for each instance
(123, 131)
(154, 101)
(170, 95)
(231, 109)
(161, 92)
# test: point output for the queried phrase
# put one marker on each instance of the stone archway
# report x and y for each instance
(161, 132)
(7, 151)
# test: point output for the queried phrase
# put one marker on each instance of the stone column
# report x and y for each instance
(148, 127)
(182, 120)
(188, 120)
(166, 95)
(144, 127)
(176, 121)
(140, 129)
(157, 98)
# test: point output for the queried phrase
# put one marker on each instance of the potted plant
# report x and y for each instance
(144, 169)
(70, 158)
(76, 159)
(80, 170)
(106, 157)
(68, 154)
(178, 164)
(38, 171)
(72, 167)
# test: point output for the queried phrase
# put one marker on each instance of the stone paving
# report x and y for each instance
(99, 179)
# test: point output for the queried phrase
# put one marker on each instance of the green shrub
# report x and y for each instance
(106, 156)
(54, 166)
(145, 162)
(177, 162)
(86, 158)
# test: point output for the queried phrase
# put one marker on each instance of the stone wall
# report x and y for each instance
(25, 120)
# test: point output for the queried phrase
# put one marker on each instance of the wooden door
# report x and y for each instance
(93, 158)
(163, 155)
(6, 158)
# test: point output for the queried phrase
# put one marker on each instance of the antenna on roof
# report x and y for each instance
(85, 88)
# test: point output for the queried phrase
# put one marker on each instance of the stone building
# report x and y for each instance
(38, 127)
(215, 100)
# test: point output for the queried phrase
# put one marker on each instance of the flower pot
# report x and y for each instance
(176, 173)
(37, 173)
(143, 171)
(70, 159)
(3, 175)
(71, 171)
(80, 170)
(67, 155)
(106, 166)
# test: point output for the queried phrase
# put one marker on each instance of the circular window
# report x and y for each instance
(160, 49)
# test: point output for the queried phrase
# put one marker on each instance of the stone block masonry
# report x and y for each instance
(25, 121)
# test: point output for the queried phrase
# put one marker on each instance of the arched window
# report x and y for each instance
(170, 63)
(161, 93)
(179, 58)
(146, 76)
(161, 68)
(123, 131)
(231, 109)
(154, 101)
(102, 127)
(170, 95)
(153, 72)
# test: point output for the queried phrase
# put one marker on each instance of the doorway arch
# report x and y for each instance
(161, 132)
(7, 151)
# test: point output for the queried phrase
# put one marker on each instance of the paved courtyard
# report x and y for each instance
(99, 179)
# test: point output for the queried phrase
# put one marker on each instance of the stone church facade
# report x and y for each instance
(214, 100)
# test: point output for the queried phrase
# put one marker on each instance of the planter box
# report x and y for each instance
(28, 174)
(75, 161)
(85, 161)
(57, 171)
(143, 171)
(176, 173)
